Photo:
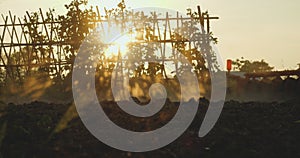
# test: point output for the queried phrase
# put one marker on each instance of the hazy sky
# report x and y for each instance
(253, 29)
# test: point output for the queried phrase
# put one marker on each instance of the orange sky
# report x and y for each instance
(253, 29)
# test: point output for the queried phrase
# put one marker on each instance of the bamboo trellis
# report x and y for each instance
(36, 42)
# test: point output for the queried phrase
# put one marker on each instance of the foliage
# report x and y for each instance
(244, 65)
(76, 24)
(65, 33)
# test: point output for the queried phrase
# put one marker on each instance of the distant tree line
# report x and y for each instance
(248, 66)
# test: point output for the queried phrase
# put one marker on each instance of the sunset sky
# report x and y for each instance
(253, 29)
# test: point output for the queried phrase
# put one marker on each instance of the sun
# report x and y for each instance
(119, 45)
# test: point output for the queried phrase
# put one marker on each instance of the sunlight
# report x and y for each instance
(120, 44)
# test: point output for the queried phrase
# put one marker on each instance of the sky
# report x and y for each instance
(255, 29)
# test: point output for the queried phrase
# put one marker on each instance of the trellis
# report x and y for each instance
(36, 43)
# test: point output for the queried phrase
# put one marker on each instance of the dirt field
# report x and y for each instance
(250, 129)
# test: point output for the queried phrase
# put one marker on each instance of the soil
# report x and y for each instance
(249, 129)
